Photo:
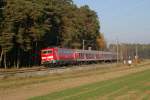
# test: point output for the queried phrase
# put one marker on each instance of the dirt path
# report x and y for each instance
(26, 92)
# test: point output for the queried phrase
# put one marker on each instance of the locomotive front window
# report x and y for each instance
(46, 51)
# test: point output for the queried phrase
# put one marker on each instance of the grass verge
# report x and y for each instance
(131, 87)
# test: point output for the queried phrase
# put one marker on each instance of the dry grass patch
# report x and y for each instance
(34, 86)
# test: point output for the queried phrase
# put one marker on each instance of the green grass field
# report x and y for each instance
(131, 87)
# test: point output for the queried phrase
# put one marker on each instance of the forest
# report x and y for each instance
(27, 26)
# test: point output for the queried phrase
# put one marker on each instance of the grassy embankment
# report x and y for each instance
(19, 82)
(131, 87)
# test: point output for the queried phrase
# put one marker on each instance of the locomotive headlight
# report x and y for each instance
(49, 57)
(43, 57)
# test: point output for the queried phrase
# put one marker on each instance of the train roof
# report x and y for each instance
(80, 50)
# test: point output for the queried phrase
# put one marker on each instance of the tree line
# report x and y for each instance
(27, 26)
(128, 51)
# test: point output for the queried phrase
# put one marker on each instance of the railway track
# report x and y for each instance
(28, 71)
(22, 70)
(6, 73)
(41, 71)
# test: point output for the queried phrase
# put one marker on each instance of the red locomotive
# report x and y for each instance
(61, 56)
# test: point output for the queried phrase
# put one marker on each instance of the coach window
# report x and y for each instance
(80, 55)
(47, 51)
(60, 51)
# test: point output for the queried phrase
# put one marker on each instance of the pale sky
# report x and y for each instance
(124, 20)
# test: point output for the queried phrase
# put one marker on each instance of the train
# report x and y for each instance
(53, 56)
